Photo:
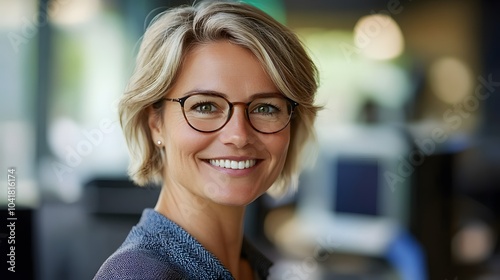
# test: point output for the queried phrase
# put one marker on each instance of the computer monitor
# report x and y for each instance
(346, 197)
(357, 186)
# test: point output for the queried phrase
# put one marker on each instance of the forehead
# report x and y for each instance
(222, 67)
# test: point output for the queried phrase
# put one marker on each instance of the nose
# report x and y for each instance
(237, 130)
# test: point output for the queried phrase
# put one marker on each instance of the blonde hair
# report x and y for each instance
(164, 45)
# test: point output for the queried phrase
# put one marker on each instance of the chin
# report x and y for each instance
(237, 199)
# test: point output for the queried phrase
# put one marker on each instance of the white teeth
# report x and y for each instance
(233, 164)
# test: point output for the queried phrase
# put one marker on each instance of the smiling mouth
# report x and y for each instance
(233, 164)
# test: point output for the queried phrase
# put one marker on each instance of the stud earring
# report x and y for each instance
(158, 142)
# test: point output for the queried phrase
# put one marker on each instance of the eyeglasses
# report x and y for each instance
(206, 112)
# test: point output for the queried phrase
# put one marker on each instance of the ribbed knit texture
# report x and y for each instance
(158, 248)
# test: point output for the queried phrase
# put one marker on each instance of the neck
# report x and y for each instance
(219, 228)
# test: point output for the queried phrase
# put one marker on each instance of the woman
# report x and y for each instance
(218, 111)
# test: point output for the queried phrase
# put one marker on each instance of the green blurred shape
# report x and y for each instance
(275, 8)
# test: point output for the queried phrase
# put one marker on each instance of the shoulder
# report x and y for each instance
(146, 252)
(157, 248)
(137, 264)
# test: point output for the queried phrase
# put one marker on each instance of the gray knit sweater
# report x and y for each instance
(157, 248)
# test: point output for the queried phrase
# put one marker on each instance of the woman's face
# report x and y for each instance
(192, 156)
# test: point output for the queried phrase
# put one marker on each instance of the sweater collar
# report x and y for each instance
(181, 248)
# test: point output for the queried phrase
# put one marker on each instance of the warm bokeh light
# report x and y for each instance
(450, 79)
(474, 243)
(73, 12)
(379, 37)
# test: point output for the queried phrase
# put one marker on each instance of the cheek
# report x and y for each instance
(175, 126)
(278, 146)
(174, 119)
(184, 142)
(180, 139)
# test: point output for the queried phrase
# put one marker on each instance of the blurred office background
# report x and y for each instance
(406, 182)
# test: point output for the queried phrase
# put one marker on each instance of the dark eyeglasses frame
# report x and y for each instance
(231, 106)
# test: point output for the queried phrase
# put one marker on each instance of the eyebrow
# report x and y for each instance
(214, 92)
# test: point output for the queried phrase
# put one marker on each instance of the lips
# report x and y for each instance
(233, 164)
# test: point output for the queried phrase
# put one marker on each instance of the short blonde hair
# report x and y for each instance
(165, 44)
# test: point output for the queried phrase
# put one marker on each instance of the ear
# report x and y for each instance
(155, 124)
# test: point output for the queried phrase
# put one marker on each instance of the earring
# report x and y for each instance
(158, 142)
